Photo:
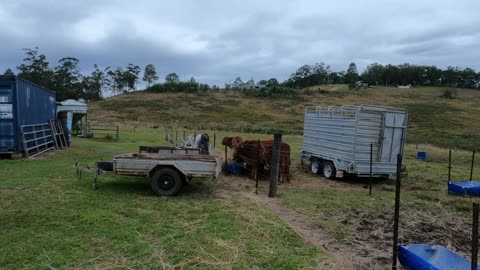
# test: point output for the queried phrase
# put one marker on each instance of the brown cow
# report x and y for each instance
(232, 142)
(259, 158)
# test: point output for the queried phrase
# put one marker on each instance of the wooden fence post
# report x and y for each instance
(257, 168)
(214, 140)
(275, 169)
(396, 218)
(226, 161)
(475, 236)
(473, 163)
(371, 171)
(449, 165)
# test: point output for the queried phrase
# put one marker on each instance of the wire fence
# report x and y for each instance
(254, 166)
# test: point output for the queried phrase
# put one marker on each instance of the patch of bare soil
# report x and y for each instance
(303, 178)
(47, 155)
(373, 231)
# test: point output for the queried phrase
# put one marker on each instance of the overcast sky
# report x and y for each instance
(216, 41)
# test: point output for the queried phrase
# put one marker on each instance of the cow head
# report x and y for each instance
(232, 142)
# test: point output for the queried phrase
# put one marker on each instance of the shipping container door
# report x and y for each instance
(8, 129)
(393, 133)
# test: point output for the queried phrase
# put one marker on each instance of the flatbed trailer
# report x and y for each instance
(168, 168)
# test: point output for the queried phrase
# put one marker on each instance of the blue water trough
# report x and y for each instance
(463, 188)
(431, 257)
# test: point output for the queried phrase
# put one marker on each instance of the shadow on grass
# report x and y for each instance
(352, 179)
(141, 186)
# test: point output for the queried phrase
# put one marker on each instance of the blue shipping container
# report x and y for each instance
(22, 103)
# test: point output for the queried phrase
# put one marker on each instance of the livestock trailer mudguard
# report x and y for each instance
(168, 168)
(337, 139)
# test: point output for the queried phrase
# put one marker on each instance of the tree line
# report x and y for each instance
(173, 84)
(66, 79)
(374, 74)
(387, 75)
(69, 83)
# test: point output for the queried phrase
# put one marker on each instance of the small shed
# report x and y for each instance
(70, 112)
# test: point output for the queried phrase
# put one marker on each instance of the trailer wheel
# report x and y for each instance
(315, 166)
(329, 170)
(166, 182)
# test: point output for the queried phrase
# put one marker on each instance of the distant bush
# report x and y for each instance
(308, 92)
(270, 92)
(450, 93)
(175, 87)
(322, 91)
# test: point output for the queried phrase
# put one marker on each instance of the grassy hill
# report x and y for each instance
(52, 220)
(432, 119)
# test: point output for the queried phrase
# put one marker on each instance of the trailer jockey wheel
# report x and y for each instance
(315, 166)
(329, 170)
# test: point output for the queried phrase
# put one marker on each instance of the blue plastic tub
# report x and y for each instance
(468, 188)
(235, 169)
(422, 155)
(431, 257)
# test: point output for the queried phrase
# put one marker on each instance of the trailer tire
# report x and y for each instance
(329, 170)
(166, 182)
(315, 166)
(384, 177)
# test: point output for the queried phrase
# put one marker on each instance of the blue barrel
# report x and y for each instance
(235, 169)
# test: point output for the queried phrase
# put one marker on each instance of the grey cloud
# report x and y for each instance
(216, 41)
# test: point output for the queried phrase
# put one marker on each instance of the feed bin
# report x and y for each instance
(24, 105)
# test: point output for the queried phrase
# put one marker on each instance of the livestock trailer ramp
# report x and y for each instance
(337, 140)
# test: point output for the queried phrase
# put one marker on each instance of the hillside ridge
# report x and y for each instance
(432, 119)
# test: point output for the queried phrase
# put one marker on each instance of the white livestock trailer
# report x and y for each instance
(337, 139)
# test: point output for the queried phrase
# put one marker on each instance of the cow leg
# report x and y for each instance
(252, 171)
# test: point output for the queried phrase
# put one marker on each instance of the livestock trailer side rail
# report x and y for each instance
(338, 139)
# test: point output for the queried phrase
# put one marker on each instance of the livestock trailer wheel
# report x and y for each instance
(329, 170)
(166, 182)
(315, 166)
